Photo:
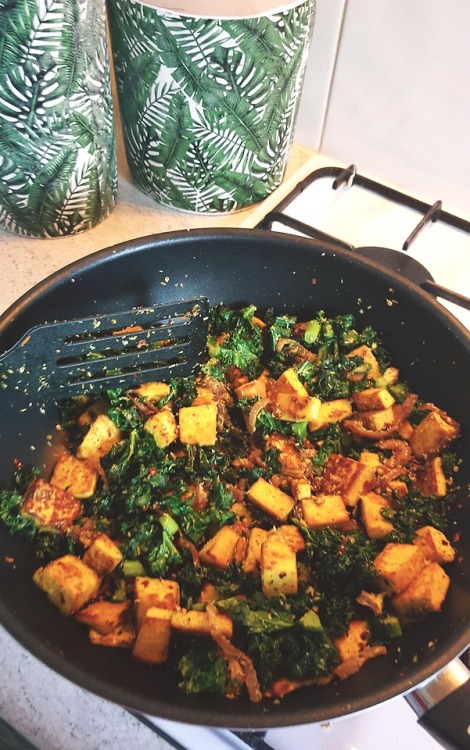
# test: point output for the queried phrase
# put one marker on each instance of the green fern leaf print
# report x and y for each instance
(208, 105)
(58, 171)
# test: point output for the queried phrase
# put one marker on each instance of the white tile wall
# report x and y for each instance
(388, 88)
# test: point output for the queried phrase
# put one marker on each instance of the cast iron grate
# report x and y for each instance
(396, 260)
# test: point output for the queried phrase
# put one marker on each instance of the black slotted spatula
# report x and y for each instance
(113, 350)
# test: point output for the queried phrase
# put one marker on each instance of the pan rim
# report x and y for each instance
(241, 719)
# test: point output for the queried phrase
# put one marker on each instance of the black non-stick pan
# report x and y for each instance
(292, 275)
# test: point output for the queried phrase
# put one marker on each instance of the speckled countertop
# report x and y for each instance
(49, 711)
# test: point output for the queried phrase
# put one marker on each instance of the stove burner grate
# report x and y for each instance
(395, 260)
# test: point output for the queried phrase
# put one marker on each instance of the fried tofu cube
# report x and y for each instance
(163, 427)
(324, 510)
(103, 555)
(301, 489)
(153, 639)
(252, 561)
(375, 524)
(50, 506)
(331, 412)
(397, 565)
(434, 544)
(102, 435)
(68, 583)
(204, 396)
(347, 477)
(289, 382)
(199, 622)
(122, 636)
(104, 616)
(378, 420)
(433, 480)
(279, 576)
(74, 475)
(153, 391)
(271, 499)
(433, 434)
(369, 458)
(252, 389)
(353, 641)
(293, 408)
(154, 592)
(198, 424)
(291, 535)
(425, 594)
(370, 360)
(220, 550)
(373, 399)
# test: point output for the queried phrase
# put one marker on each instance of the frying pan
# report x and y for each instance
(293, 275)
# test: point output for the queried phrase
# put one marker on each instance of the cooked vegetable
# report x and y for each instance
(269, 523)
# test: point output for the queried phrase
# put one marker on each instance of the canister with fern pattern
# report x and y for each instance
(208, 95)
(58, 171)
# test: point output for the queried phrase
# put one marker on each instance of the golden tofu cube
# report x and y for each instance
(289, 382)
(405, 429)
(373, 399)
(291, 535)
(50, 506)
(122, 636)
(433, 434)
(331, 412)
(279, 576)
(293, 408)
(200, 623)
(102, 435)
(204, 396)
(271, 499)
(252, 561)
(366, 353)
(347, 477)
(68, 583)
(104, 616)
(154, 592)
(380, 419)
(74, 475)
(163, 427)
(376, 525)
(324, 510)
(434, 544)
(153, 639)
(103, 555)
(198, 424)
(425, 594)
(369, 458)
(353, 641)
(301, 489)
(220, 550)
(397, 565)
(433, 480)
(252, 389)
(153, 391)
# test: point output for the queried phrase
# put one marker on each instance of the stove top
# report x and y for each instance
(421, 241)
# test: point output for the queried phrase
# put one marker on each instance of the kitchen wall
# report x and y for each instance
(387, 87)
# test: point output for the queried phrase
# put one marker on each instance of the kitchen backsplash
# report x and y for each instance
(386, 87)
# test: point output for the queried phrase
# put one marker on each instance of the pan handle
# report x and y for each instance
(443, 705)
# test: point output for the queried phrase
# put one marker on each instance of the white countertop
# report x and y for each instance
(51, 712)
